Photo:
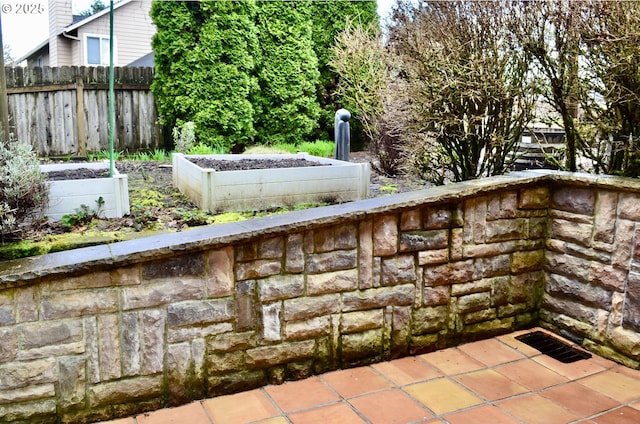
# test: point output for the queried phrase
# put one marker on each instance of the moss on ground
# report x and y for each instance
(56, 243)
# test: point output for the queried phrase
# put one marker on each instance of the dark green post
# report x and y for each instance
(4, 102)
(112, 112)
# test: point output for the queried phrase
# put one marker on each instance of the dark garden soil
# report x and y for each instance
(156, 205)
(77, 174)
(245, 164)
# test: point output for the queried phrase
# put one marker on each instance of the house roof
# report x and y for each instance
(33, 51)
(78, 18)
(95, 16)
(75, 25)
(145, 61)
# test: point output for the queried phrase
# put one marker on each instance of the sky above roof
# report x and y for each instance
(25, 24)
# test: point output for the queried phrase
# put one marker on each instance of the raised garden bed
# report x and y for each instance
(319, 180)
(67, 195)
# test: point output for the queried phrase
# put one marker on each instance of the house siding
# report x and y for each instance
(132, 29)
(60, 48)
(137, 31)
(32, 61)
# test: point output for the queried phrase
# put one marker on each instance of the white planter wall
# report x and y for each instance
(68, 195)
(258, 189)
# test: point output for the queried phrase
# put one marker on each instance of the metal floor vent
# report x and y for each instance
(553, 347)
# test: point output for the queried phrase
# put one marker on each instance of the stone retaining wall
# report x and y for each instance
(114, 330)
(592, 264)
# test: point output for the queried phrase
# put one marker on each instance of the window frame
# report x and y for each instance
(101, 38)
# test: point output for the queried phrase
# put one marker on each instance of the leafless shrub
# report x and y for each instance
(366, 87)
(467, 87)
(610, 86)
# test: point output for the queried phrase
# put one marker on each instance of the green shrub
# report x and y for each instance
(193, 218)
(24, 194)
(184, 137)
(83, 215)
(329, 19)
(249, 71)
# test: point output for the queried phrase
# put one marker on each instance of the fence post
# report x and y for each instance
(80, 122)
(342, 134)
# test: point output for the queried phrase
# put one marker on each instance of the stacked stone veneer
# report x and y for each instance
(592, 290)
(115, 330)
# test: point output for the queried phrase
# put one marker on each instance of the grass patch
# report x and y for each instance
(269, 150)
(104, 155)
(323, 149)
(205, 149)
(318, 148)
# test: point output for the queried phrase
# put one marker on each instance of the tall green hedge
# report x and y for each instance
(176, 36)
(287, 74)
(249, 71)
(205, 68)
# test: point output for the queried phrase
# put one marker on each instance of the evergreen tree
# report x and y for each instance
(225, 79)
(96, 6)
(205, 54)
(176, 36)
(245, 69)
(288, 73)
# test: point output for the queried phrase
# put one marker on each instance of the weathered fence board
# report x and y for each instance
(64, 111)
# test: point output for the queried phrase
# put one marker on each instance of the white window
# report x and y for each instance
(97, 50)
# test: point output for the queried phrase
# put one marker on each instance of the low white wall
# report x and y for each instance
(265, 188)
(68, 195)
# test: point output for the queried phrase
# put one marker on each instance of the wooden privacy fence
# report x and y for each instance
(63, 111)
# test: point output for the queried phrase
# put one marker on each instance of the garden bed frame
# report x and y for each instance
(68, 195)
(260, 189)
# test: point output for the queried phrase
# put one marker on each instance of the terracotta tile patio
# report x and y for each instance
(497, 381)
